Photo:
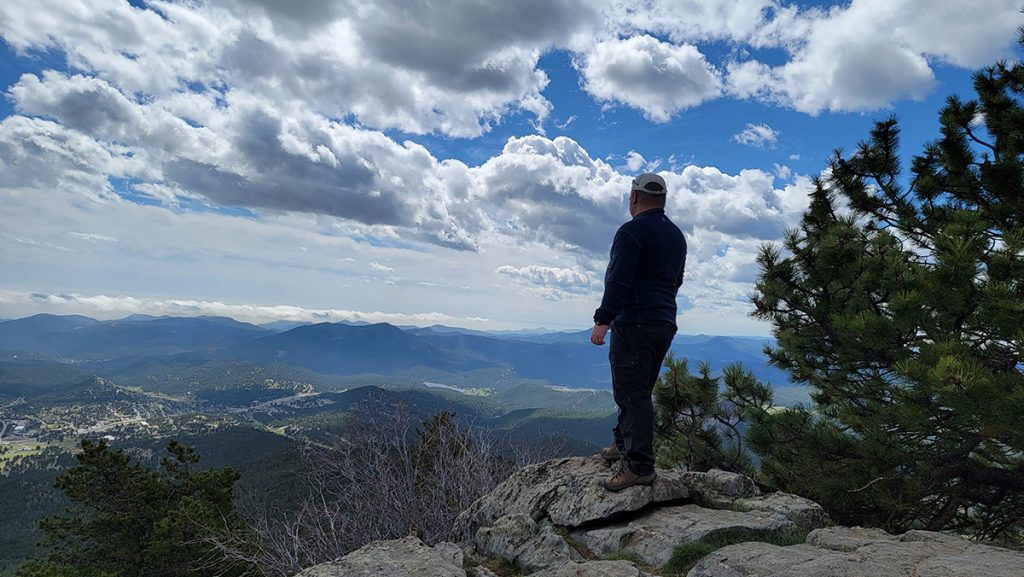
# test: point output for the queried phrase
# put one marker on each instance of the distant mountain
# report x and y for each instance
(350, 349)
(139, 318)
(40, 332)
(442, 329)
(282, 326)
(82, 337)
(559, 358)
(342, 349)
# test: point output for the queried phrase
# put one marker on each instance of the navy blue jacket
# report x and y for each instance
(644, 272)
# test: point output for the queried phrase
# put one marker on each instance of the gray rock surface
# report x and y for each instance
(505, 536)
(804, 513)
(528, 546)
(653, 536)
(720, 483)
(858, 552)
(407, 557)
(569, 493)
(717, 489)
(594, 569)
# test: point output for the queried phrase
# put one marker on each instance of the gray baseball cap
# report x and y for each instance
(650, 183)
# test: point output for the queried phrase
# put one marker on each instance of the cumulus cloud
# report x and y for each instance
(656, 77)
(455, 67)
(758, 136)
(745, 206)
(261, 126)
(635, 162)
(866, 55)
(43, 155)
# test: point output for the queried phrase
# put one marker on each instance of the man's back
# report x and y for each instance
(644, 273)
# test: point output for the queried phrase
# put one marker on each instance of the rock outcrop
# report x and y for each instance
(567, 492)
(554, 519)
(408, 557)
(557, 514)
(858, 552)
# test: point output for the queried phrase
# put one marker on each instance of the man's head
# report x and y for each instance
(648, 191)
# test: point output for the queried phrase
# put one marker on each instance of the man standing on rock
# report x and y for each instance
(643, 277)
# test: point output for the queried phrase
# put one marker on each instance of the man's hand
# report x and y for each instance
(597, 335)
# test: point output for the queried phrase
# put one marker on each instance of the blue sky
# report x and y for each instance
(468, 165)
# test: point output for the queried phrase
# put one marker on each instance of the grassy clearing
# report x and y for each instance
(19, 449)
(11, 451)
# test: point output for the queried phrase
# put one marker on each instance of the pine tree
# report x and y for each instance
(129, 520)
(700, 420)
(901, 302)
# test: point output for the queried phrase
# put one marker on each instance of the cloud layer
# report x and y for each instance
(281, 142)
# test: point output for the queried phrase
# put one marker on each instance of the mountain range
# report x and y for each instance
(349, 349)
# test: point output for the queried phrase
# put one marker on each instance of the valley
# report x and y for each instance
(249, 397)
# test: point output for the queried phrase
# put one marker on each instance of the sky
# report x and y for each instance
(462, 162)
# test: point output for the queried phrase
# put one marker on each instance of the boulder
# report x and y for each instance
(717, 489)
(407, 557)
(569, 493)
(719, 483)
(804, 513)
(518, 539)
(654, 535)
(858, 552)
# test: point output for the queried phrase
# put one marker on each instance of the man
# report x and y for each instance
(643, 277)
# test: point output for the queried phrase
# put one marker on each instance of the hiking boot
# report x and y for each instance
(626, 478)
(611, 454)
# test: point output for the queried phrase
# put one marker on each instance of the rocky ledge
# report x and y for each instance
(554, 519)
(859, 552)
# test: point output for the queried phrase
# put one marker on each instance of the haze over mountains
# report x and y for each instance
(560, 358)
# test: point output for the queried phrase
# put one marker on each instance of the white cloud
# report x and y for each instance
(380, 267)
(92, 237)
(746, 206)
(636, 163)
(572, 279)
(870, 53)
(656, 77)
(112, 306)
(28, 241)
(693, 20)
(454, 68)
(758, 136)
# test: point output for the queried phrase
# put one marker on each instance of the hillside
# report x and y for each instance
(182, 355)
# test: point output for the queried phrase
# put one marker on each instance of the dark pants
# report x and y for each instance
(636, 354)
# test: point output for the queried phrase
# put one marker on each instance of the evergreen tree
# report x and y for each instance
(130, 520)
(700, 423)
(901, 302)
